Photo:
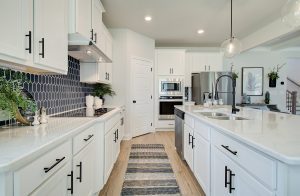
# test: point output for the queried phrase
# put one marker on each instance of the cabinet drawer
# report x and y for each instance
(110, 123)
(32, 175)
(189, 121)
(202, 129)
(82, 139)
(260, 166)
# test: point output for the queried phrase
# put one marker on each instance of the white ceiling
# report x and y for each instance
(175, 22)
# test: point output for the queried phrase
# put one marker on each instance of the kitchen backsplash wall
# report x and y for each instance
(58, 93)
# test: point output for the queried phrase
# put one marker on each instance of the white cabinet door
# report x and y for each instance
(188, 148)
(97, 22)
(83, 168)
(16, 18)
(58, 184)
(202, 161)
(170, 62)
(108, 45)
(51, 34)
(109, 154)
(83, 17)
(214, 61)
(230, 179)
(198, 62)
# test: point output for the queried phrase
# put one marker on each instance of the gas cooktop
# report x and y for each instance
(83, 113)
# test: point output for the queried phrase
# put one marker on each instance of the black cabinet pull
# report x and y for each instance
(29, 35)
(190, 138)
(134, 101)
(47, 169)
(72, 188)
(226, 175)
(228, 149)
(92, 34)
(43, 48)
(108, 76)
(89, 137)
(231, 174)
(115, 133)
(193, 138)
(80, 172)
(95, 40)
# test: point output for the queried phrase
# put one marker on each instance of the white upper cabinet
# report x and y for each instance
(16, 30)
(51, 34)
(205, 61)
(33, 37)
(97, 23)
(80, 18)
(170, 62)
(96, 73)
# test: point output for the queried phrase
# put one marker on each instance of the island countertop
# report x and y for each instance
(275, 134)
(19, 145)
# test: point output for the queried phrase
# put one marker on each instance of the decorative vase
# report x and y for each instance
(272, 82)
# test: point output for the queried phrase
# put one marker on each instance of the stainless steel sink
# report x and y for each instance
(212, 114)
(227, 117)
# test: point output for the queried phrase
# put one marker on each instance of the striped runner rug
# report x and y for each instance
(149, 172)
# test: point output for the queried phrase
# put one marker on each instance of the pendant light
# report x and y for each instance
(291, 13)
(231, 46)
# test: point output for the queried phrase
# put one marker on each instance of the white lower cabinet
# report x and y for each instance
(83, 168)
(112, 149)
(59, 184)
(230, 179)
(188, 146)
(202, 161)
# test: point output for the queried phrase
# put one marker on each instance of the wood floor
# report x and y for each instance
(186, 181)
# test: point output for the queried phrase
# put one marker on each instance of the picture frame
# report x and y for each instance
(253, 81)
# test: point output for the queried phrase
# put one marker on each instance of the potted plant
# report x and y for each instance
(12, 98)
(274, 75)
(100, 90)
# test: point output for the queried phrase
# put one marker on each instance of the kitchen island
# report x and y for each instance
(253, 152)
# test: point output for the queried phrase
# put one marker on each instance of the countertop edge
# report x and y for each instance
(30, 156)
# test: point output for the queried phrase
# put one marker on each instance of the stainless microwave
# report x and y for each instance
(171, 86)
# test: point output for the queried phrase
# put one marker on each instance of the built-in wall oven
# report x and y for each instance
(166, 106)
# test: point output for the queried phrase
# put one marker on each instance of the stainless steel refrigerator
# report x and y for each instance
(203, 87)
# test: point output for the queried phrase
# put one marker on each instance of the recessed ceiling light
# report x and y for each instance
(200, 31)
(148, 18)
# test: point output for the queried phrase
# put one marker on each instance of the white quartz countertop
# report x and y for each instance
(275, 134)
(19, 145)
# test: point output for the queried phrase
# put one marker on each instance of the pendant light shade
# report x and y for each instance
(231, 46)
(291, 13)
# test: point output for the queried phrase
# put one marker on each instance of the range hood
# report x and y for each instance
(85, 50)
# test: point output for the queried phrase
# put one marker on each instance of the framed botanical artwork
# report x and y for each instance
(252, 81)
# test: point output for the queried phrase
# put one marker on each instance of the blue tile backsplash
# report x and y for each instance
(58, 93)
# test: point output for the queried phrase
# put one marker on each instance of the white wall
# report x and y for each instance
(294, 69)
(266, 59)
(127, 44)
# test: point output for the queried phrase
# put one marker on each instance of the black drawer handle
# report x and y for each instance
(228, 149)
(72, 188)
(117, 134)
(29, 35)
(80, 172)
(89, 137)
(47, 169)
(43, 48)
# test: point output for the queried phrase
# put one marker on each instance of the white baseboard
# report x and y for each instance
(164, 129)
